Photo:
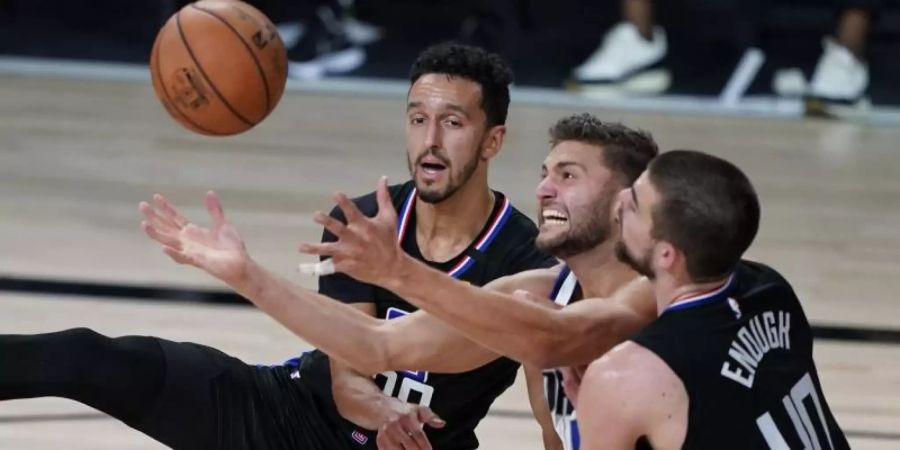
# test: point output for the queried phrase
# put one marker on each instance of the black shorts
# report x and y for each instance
(214, 401)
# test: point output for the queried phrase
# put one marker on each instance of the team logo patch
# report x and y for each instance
(735, 307)
(360, 438)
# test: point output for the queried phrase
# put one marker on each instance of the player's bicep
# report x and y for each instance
(419, 341)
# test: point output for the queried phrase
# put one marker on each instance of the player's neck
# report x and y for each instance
(445, 229)
(598, 271)
(672, 289)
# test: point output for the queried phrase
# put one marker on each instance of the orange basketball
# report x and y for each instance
(218, 67)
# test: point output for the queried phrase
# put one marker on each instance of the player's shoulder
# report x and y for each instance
(755, 278)
(628, 366)
(632, 389)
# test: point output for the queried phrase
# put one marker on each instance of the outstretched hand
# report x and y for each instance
(218, 250)
(366, 248)
(406, 430)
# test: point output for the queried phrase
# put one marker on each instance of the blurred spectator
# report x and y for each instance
(841, 73)
(321, 37)
(630, 53)
(631, 57)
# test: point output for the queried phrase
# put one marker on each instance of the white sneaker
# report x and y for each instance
(361, 33)
(290, 32)
(623, 53)
(839, 75)
(790, 82)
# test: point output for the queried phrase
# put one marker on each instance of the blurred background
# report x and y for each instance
(803, 95)
(746, 53)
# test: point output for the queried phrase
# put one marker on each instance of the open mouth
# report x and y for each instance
(432, 168)
(552, 217)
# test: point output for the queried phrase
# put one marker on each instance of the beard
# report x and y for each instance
(582, 235)
(640, 265)
(433, 194)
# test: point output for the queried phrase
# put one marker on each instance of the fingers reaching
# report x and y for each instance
(385, 205)
(351, 212)
(323, 249)
(163, 238)
(427, 416)
(214, 207)
(168, 211)
(330, 223)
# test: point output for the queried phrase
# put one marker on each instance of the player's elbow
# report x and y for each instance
(387, 351)
(544, 350)
(541, 357)
(374, 357)
(370, 361)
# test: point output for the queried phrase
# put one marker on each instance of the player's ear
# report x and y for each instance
(493, 142)
(667, 255)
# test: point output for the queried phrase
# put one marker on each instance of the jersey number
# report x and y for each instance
(412, 384)
(408, 387)
(795, 403)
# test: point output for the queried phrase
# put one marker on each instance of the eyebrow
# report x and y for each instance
(564, 164)
(451, 106)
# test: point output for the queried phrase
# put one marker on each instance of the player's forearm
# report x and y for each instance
(534, 380)
(517, 328)
(336, 328)
(359, 400)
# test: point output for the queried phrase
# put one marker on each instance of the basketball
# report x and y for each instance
(219, 67)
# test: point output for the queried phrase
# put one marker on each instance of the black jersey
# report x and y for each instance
(745, 356)
(505, 246)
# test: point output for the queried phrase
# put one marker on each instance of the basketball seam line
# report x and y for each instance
(203, 72)
(259, 68)
(165, 90)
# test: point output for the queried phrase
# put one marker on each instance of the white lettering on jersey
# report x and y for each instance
(761, 334)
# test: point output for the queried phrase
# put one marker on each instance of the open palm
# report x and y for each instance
(218, 250)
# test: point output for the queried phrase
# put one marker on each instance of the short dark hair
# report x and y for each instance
(489, 70)
(708, 209)
(626, 151)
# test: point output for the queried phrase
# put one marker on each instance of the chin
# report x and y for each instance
(431, 195)
(548, 242)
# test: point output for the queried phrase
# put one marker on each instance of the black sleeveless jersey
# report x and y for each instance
(745, 356)
(505, 246)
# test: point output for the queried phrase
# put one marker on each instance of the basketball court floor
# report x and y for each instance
(77, 155)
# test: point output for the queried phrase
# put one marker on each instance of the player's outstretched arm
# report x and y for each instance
(366, 249)
(370, 345)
